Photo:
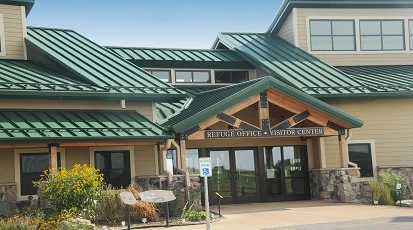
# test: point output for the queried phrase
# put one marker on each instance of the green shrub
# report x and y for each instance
(190, 214)
(176, 206)
(380, 192)
(19, 222)
(391, 180)
(71, 191)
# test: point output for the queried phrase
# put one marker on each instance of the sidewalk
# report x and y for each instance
(280, 214)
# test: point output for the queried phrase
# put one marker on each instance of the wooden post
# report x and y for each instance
(310, 153)
(343, 148)
(263, 109)
(183, 154)
(53, 157)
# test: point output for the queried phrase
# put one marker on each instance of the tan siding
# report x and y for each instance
(145, 161)
(77, 155)
(7, 166)
(287, 29)
(388, 123)
(144, 108)
(359, 58)
(13, 31)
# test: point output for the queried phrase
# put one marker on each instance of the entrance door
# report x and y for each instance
(285, 173)
(234, 175)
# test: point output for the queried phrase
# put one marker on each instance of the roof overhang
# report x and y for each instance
(28, 4)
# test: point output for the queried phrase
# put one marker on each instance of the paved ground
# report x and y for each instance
(315, 215)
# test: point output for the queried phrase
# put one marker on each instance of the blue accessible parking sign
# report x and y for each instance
(205, 166)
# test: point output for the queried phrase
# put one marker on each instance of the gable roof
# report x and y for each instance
(68, 125)
(210, 103)
(181, 58)
(287, 6)
(290, 64)
(95, 65)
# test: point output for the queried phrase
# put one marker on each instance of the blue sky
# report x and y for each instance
(154, 23)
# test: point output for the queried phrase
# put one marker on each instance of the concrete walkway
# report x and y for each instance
(287, 214)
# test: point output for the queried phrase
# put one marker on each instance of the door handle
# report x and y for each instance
(237, 175)
(229, 175)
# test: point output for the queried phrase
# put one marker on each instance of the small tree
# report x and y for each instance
(73, 190)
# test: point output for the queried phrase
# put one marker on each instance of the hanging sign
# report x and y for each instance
(294, 132)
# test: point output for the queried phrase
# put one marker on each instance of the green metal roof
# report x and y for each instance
(77, 125)
(287, 6)
(167, 109)
(396, 78)
(290, 64)
(96, 65)
(28, 4)
(181, 58)
(210, 103)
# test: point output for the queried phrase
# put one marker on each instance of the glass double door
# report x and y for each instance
(234, 175)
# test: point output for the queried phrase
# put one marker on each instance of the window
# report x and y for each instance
(332, 35)
(382, 35)
(361, 154)
(115, 167)
(193, 76)
(411, 33)
(231, 76)
(192, 161)
(32, 166)
(2, 39)
(171, 161)
(163, 75)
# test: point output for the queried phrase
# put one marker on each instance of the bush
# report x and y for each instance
(176, 206)
(19, 222)
(391, 180)
(190, 214)
(111, 208)
(71, 191)
(381, 193)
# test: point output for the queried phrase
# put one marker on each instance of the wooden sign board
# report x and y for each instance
(157, 196)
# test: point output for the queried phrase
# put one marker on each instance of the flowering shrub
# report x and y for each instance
(71, 191)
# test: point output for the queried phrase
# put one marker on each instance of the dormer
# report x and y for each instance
(349, 32)
(13, 28)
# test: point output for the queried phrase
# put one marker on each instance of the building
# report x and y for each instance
(310, 109)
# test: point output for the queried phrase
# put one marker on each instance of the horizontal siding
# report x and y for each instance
(145, 109)
(13, 31)
(145, 163)
(287, 30)
(77, 155)
(360, 58)
(7, 166)
(388, 122)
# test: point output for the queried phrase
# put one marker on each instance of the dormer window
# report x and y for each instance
(411, 33)
(381, 35)
(332, 35)
(2, 39)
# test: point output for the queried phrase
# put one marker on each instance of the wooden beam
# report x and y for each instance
(230, 111)
(53, 157)
(291, 121)
(183, 154)
(263, 111)
(236, 122)
(343, 148)
(294, 106)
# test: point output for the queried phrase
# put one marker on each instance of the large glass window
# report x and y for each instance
(411, 33)
(115, 167)
(192, 161)
(382, 35)
(361, 155)
(192, 76)
(231, 76)
(32, 166)
(163, 75)
(171, 161)
(329, 35)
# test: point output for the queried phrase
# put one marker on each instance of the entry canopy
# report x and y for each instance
(219, 105)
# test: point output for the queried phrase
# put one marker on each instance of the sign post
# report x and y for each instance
(205, 169)
(129, 199)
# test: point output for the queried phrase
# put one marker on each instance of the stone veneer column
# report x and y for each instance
(341, 184)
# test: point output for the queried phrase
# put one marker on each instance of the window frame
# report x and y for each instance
(2, 37)
(192, 76)
(161, 70)
(410, 33)
(332, 35)
(230, 71)
(131, 150)
(186, 160)
(381, 34)
(373, 154)
(17, 169)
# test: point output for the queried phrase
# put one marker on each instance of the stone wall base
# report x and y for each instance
(342, 185)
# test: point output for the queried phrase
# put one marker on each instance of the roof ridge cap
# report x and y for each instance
(233, 85)
(49, 28)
